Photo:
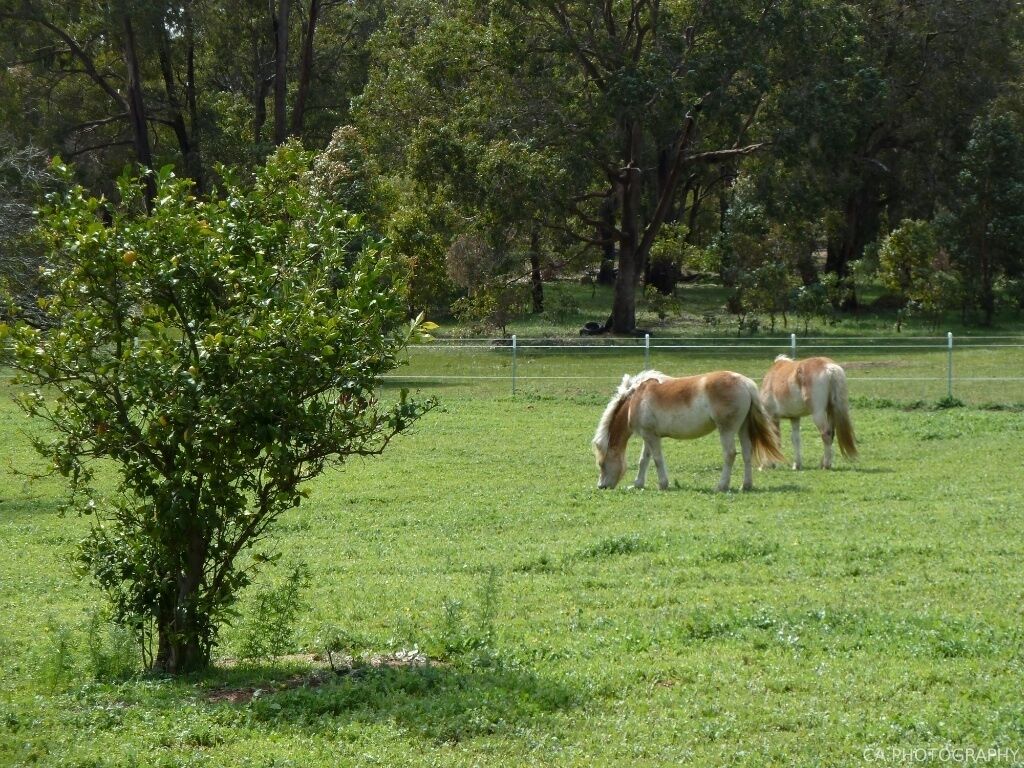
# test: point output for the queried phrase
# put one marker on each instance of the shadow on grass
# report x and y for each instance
(416, 384)
(441, 703)
(712, 492)
(841, 469)
(27, 506)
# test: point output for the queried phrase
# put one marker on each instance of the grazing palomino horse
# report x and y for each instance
(814, 387)
(654, 406)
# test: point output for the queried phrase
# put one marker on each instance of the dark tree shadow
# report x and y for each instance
(711, 491)
(27, 506)
(437, 702)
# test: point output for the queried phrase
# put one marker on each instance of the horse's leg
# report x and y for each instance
(659, 463)
(728, 438)
(747, 448)
(795, 435)
(825, 428)
(645, 459)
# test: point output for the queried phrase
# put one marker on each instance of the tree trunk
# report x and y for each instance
(623, 317)
(191, 98)
(188, 148)
(535, 276)
(261, 85)
(606, 234)
(281, 72)
(183, 631)
(987, 297)
(860, 226)
(806, 267)
(305, 69)
(137, 109)
(694, 212)
(179, 654)
(665, 179)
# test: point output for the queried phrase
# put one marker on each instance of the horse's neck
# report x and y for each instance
(619, 429)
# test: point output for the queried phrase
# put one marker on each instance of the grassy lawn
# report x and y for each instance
(878, 606)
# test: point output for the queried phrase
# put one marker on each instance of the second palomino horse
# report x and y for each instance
(814, 387)
(654, 406)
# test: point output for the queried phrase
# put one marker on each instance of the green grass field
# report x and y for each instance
(839, 618)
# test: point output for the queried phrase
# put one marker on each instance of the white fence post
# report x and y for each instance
(949, 365)
(792, 345)
(514, 345)
(647, 351)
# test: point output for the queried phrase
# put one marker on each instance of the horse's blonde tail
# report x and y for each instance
(764, 435)
(839, 413)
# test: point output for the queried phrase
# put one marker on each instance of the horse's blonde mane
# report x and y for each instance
(787, 358)
(629, 384)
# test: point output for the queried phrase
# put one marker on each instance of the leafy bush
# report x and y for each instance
(912, 262)
(113, 650)
(269, 626)
(492, 307)
(810, 302)
(220, 352)
(60, 650)
(562, 306)
(472, 637)
(659, 304)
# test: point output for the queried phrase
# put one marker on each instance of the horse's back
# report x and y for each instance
(693, 406)
(796, 388)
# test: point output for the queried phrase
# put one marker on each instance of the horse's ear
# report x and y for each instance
(626, 381)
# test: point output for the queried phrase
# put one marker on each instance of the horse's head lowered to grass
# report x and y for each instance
(613, 431)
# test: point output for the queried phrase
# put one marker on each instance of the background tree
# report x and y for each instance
(869, 124)
(590, 97)
(986, 223)
(565, 134)
(182, 83)
(24, 176)
(913, 263)
(220, 353)
(458, 133)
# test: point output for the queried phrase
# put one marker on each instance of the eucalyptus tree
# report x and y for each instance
(985, 223)
(185, 83)
(609, 108)
(24, 177)
(869, 127)
(465, 115)
(78, 72)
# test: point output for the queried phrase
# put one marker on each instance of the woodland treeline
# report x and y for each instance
(791, 148)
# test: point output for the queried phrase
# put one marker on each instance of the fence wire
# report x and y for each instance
(981, 370)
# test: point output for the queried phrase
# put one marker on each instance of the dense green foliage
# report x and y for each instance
(220, 352)
(612, 138)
